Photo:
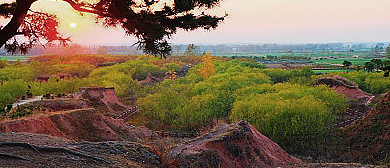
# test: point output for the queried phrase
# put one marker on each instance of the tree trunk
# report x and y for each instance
(11, 29)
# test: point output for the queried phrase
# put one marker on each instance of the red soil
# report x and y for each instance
(78, 121)
(42, 125)
(351, 93)
(102, 99)
(355, 94)
(79, 125)
(371, 136)
(238, 145)
(85, 125)
(346, 87)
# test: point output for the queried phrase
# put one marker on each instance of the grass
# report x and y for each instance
(332, 70)
(15, 57)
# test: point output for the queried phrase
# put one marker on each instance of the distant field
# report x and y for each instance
(15, 57)
(237, 54)
(258, 54)
(333, 70)
(306, 54)
(340, 57)
(354, 61)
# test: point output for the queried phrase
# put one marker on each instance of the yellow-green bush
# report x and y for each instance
(288, 113)
(16, 79)
(172, 66)
(34, 69)
(11, 73)
(10, 90)
(200, 100)
(137, 69)
(79, 70)
(283, 75)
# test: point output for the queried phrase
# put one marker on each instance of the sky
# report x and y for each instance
(255, 21)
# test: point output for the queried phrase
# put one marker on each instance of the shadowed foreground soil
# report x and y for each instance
(47, 151)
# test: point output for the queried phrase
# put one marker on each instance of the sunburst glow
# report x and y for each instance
(72, 24)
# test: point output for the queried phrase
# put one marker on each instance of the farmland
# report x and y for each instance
(15, 57)
(339, 61)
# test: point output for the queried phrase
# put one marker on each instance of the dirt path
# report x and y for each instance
(36, 98)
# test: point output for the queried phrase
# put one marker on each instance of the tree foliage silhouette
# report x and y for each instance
(347, 64)
(388, 51)
(191, 50)
(152, 22)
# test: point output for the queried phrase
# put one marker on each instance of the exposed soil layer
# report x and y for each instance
(85, 125)
(369, 139)
(36, 139)
(85, 117)
(102, 99)
(78, 125)
(346, 87)
(60, 104)
(355, 94)
(336, 81)
(42, 125)
(84, 154)
(236, 145)
(338, 165)
(359, 99)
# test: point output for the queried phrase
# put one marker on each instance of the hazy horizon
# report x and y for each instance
(254, 43)
(254, 21)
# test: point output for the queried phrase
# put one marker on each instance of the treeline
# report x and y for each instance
(269, 48)
(89, 59)
(274, 58)
(81, 49)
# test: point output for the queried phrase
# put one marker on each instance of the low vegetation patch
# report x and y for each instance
(282, 111)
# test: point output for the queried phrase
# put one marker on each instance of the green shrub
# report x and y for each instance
(172, 66)
(137, 69)
(200, 101)
(283, 75)
(11, 90)
(288, 112)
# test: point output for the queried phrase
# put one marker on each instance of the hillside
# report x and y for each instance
(90, 138)
(371, 136)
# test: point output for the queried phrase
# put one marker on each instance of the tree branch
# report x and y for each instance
(34, 33)
(81, 7)
(11, 28)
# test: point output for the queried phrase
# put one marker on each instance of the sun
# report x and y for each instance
(72, 25)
